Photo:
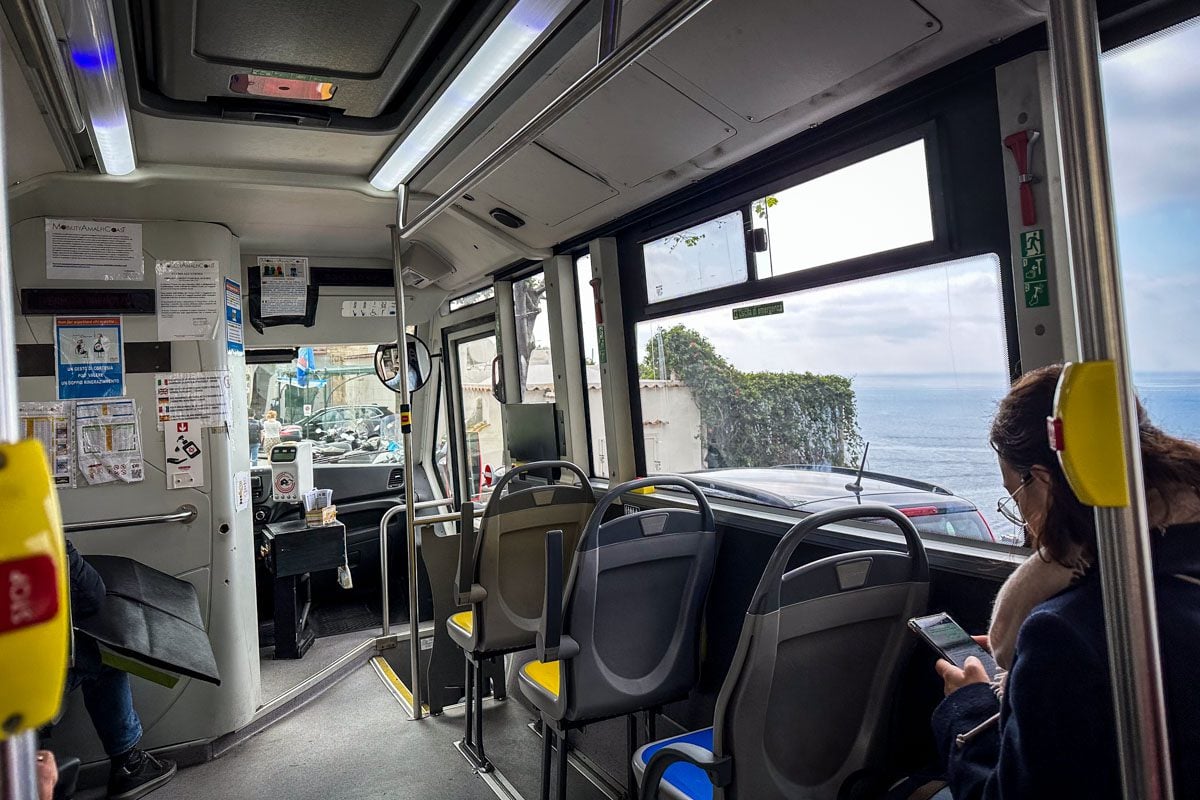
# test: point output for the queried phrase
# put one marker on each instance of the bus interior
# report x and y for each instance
(792, 252)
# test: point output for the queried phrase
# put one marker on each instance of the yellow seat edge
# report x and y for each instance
(545, 675)
(464, 620)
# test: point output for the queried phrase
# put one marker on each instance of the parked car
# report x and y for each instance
(363, 420)
(933, 509)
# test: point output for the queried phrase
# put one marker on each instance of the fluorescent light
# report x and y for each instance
(507, 45)
(98, 75)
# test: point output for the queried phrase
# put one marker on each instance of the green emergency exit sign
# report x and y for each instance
(760, 310)
(1035, 269)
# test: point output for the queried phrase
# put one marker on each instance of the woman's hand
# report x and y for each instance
(972, 671)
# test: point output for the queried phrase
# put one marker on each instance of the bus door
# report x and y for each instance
(479, 434)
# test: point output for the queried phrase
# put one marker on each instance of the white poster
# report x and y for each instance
(283, 283)
(202, 397)
(110, 442)
(51, 424)
(189, 299)
(241, 491)
(184, 454)
(86, 250)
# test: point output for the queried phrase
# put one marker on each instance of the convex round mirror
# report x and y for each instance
(418, 361)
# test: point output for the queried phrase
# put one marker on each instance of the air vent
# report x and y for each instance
(395, 479)
(506, 218)
(423, 267)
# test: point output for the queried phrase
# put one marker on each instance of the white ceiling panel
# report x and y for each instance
(636, 127)
(760, 58)
(29, 150)
(540, 186)
(222, 144)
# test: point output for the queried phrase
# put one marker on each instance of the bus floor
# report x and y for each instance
(356, 742)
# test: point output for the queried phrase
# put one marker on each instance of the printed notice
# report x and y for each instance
(89, 356)
(201, 397)
(86, 250)
(51, 424)
(189, 299)
(283, 286)
(109, 441)
(184, 454)
(241, 491)
(235, 341)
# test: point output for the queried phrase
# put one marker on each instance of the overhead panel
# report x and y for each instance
(636, 127)
(760, 58)
(542, 187)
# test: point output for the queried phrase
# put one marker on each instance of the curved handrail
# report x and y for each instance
(185, 515)
(708, 521)
(508, 476)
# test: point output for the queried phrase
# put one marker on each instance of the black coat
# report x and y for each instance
(87, 587)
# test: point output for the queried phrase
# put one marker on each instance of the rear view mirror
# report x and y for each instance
(417, 361)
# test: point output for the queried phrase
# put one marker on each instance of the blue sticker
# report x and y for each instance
(234, 335)
(90, 356)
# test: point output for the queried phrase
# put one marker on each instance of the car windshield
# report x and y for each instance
(328, 396)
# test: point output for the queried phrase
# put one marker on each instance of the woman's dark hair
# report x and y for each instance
(1019, 437)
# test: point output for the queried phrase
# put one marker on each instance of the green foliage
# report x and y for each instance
(761, 206)
(755, 419)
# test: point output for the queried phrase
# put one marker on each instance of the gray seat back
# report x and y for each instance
(807, 697)
(510, 552)
(634, 603)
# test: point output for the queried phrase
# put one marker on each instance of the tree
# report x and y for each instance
(527, 305)
(759, 418)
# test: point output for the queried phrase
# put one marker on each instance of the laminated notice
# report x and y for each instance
(283, 286)
(109, 441)
(189, 299)
(201, 397)
(52, 424)
(87, 250)
(89, 357)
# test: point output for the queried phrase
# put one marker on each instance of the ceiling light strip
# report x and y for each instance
(93, 52)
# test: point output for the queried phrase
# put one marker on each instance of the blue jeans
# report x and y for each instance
(254, 454)
(107, 697)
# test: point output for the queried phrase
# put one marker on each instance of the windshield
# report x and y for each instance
(327, 395)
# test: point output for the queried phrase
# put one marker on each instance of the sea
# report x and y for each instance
(934, 428)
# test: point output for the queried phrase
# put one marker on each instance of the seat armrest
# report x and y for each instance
(719, 770)
(464, 580)
(549, 635)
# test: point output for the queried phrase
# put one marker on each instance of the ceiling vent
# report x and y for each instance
(423, 267)
(506, 218)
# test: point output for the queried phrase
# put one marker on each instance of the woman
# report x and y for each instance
(1056, 734)
(271, 428)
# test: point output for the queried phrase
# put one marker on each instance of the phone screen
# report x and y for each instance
(951, 641)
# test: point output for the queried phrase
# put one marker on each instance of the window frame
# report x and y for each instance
(584, 319)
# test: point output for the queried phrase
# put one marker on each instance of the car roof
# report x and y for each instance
(819, 487)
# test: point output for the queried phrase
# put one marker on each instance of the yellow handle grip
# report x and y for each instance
(1086, 432)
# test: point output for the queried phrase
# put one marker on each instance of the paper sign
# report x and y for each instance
(52, 425)
(83, 250)
(90, 357)
(184, 454)
(368, 308)
(202, 397)
(283, 286)
(235, 341)
(189, 299)
(110, 442)
(241, 491)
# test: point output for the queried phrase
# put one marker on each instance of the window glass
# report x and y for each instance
(330, 397)
(706, 256)
(483, 423)
(777, 402)
(441, 445)
(877, 204)
(486, 293)
(591, 365)
(533, 339)
(1152, 98)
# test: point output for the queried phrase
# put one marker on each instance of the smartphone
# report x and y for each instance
(951, 642)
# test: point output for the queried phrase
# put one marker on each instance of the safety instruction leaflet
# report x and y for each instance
(109, 441)
(199, 396)
(90, 357)
(235, 341)
(87, 250)
(189, 299)
(184, 454)
(283, 286)
(52, 424)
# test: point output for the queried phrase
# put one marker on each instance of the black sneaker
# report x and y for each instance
(140, 775)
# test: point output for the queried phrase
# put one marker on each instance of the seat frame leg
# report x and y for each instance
(473, 737)
(547, 752)
(561, 765)
(631, 746)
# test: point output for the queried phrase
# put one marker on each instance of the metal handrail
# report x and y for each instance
(184, 515)
(638, 44)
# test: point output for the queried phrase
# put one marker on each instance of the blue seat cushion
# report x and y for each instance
(685, 778)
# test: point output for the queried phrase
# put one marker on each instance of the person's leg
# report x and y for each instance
(108, 699)
(254, 455)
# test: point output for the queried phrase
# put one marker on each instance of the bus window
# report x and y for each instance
(1151, 94)
(483, 422)
(778, 406)
(330, 397)
(591, 365)
(705, 256)
(441, 445)
(486, 293)
(533, 339)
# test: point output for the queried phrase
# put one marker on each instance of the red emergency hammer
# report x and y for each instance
(1021, 144)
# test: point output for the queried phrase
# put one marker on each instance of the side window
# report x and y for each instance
(533, 339)
(591, 366)
(705, 256)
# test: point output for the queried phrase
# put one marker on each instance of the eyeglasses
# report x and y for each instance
(1007, 506)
